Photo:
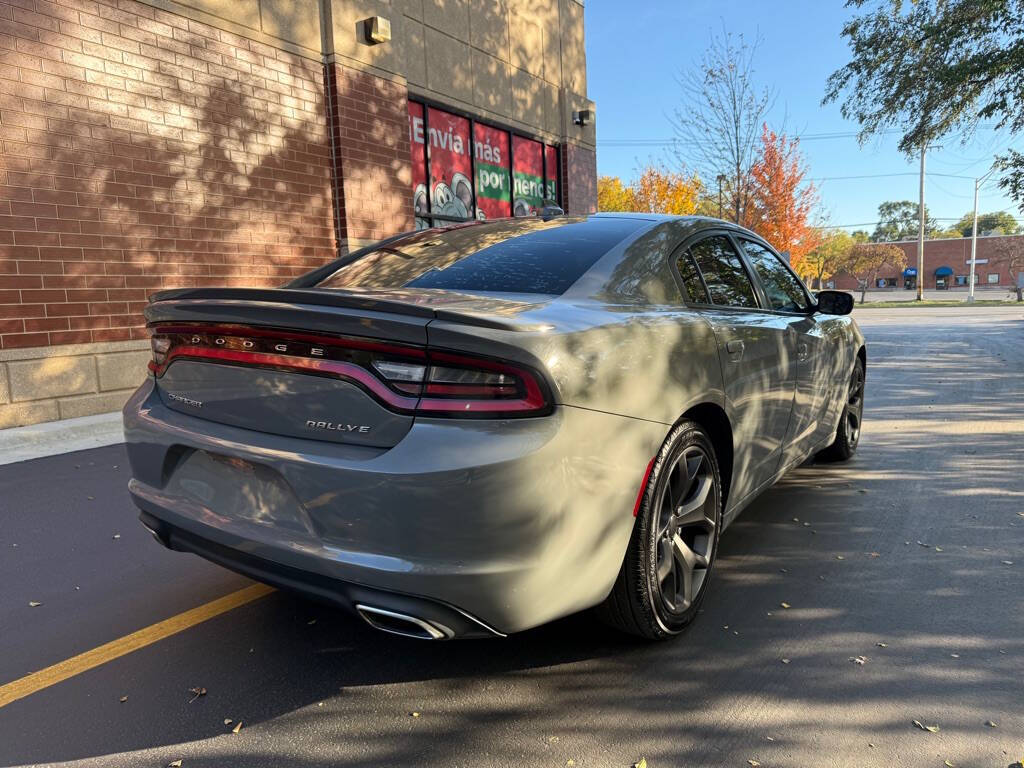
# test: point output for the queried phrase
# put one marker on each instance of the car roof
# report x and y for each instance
(698, 222)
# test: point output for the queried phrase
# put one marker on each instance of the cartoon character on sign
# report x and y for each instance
(455, 200)
(419, 204)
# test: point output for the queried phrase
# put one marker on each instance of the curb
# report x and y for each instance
(53, 438)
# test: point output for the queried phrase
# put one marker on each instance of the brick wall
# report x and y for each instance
(143, 150)
(954, 253)
(369, 116)
(579, 178)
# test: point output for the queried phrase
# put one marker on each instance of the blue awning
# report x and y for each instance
(943, 271)
(910, 272)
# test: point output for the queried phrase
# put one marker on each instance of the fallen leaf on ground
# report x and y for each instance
(34, 603)
(123, 699)
(859, 660)
(175, 764)
(311, 622)
(753, 762)
(939, 549)
(785, 661)
(414, 714)
(990, 724)
(882, 645)
(862, 490)
(570, 762)
(840, 557)
(923, 727)
(238, 727)
(954, 655)
(785, 605)
(923, 544)
(948, 764)
(873, 554)
(196, 693)
(1007, 562)
(641, 763)
(117, 535)
(227, 721)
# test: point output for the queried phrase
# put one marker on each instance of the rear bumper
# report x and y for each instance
(448, 620)
(488, 527)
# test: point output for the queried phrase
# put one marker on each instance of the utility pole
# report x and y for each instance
(920, 233)
(974, 234)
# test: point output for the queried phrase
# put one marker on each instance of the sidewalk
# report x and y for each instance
(55, 437)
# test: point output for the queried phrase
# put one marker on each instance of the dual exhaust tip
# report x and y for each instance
(379, 618)
(403, 624)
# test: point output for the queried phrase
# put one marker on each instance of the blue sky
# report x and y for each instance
(636, 50)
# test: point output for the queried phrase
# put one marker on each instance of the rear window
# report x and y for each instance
(508, 256)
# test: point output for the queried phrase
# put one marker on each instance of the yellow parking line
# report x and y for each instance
(44, 678)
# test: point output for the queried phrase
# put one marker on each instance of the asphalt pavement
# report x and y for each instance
(903, 571)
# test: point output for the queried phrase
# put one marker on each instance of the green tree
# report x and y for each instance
(860, 236)
(867, 259)
(1008, 254)
(898, 220)
(998, 223)
(931, 68)
(829, 257)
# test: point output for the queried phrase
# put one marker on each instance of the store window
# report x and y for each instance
(961, 279)
(993, 278)
(464, 170)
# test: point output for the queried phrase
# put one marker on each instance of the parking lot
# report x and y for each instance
(903, 573)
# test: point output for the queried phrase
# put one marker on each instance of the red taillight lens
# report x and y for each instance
(403, 378)
(160, 346)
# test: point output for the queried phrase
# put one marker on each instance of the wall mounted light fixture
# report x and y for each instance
(377, 29)
(583, 117)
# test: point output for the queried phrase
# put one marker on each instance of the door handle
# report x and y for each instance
(734, 347)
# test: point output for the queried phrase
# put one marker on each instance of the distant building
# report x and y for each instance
(946, 265)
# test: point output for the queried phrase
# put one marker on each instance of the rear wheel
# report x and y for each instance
(665, 574)
(848, 433)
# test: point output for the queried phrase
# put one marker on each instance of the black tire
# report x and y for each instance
(848, 433)
(662, 582)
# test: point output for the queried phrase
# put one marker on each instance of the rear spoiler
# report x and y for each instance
(322, 298)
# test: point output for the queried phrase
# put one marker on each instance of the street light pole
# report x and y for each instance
(974, 235)
(920, 234)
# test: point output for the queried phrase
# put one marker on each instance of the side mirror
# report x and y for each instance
(834, 303)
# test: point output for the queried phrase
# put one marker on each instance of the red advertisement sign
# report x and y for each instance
(419, 165)
(451, 167)
(527, 176)
(493, 185)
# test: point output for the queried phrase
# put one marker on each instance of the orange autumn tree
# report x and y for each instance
(782, 200)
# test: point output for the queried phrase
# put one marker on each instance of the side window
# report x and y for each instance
(784, 292)
(723, 272)
(691, 279)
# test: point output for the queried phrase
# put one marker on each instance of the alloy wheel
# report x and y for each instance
(687, 516)
(855, 404)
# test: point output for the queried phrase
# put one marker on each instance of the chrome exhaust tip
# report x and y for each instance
(402, 624)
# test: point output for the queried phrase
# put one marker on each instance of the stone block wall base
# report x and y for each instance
(64, 382)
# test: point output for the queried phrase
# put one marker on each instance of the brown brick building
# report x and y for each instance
(946, 265)
(150, 144)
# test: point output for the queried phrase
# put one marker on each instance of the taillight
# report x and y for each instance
(160, 345)
(404, 378)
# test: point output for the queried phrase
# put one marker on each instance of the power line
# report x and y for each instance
(824, 136)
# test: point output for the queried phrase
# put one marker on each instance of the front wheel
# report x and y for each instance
(848, 433)
(665, 574)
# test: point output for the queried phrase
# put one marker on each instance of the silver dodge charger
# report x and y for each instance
(472, 431)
